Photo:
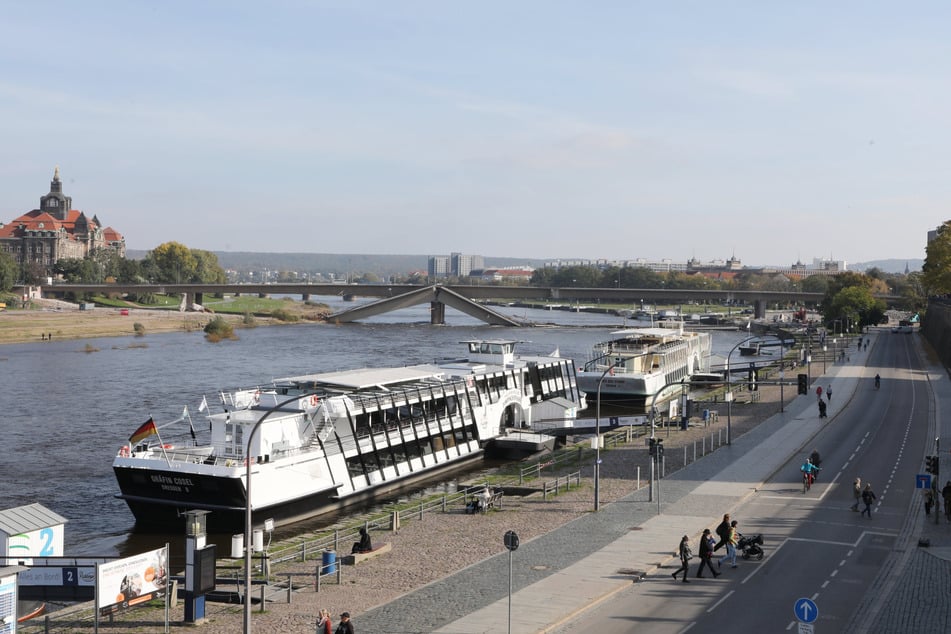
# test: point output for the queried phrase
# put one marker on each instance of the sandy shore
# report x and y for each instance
(61, 320)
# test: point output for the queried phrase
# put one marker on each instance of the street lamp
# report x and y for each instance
(248, 543)
(597, 434)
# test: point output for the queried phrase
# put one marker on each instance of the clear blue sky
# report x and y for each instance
(772, 131)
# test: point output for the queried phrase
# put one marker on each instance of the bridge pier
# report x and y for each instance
(199, 299)
(759, 308)
(305, 297)
(437, 314)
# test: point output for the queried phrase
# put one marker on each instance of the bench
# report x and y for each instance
(494, 502)
(355, 558)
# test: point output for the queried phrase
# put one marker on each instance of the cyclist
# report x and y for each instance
(809, 472)
(878, 381)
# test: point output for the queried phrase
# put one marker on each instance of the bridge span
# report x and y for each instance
(460, 296)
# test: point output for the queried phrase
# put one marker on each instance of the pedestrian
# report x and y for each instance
(324, 622)
(364, 545)
(857, 493)
(706, 554)
(822, 408)
(829, 393)
(344, 626)
(866, 346)
(685, 555)
(819, 392)
(946, 494)
(731, 542)
(723, 532)
(928, 496)
(868, 497)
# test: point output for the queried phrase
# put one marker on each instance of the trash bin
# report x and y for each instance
(328, 562)
(684, 423)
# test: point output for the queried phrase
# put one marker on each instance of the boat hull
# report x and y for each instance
(159, 511)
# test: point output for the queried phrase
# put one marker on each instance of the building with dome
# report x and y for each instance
(55, 232)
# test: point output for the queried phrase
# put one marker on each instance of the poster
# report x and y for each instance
(132, 581)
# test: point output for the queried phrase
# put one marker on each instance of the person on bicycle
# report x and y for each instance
(878, 381)
(809, 471)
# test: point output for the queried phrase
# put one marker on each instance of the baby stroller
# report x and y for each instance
(751, 547)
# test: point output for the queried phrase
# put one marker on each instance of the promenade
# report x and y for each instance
(563, 573)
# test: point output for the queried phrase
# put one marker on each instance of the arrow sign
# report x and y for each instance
(923, 481)
(806, 610)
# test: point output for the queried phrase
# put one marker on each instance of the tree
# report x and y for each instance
(173, 262)
(937, 266)
(855, 305)
(8, 272)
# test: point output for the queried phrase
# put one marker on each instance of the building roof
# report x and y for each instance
(25, 519)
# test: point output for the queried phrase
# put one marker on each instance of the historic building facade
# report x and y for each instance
(56, 231)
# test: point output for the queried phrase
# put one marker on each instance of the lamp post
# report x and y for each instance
(597, 436)
(729, 392)
(247, 512)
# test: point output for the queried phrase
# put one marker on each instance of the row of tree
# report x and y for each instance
(170, 262)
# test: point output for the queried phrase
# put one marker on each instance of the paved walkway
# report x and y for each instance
(566, 571)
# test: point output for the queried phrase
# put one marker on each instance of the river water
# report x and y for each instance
(66, 410)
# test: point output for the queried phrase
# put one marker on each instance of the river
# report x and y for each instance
(67, 410)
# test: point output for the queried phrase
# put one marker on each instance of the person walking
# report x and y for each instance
(723, 532)
(734, 537)
(829, 393)
(685, 556)
(946, 495)
(324, 623)
(819, 392)
(344, 626)
(706, 554)
(857, 493)
(822, 408)
(928, 498)
(868, 497)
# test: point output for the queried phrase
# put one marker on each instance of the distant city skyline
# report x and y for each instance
(773, 133)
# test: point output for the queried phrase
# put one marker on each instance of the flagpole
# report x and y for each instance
(162, 445)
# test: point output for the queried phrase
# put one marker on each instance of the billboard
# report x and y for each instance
(132, 581)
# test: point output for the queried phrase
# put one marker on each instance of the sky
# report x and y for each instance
(772, 132)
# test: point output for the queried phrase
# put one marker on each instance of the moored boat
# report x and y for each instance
(319, 442)
(640, 362)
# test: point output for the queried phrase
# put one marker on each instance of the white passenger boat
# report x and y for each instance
(320, 442)
(639, 362)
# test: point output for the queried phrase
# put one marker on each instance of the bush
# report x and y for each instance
(218, 329)
(248, 320)
(139, 329)
(284, 315)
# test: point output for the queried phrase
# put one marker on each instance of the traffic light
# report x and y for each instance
(931, 464)
(659, 448)
(652, 446)
(803, 384)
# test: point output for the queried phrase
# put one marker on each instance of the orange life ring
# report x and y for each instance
(167, 446)
(124, 451)
(314, 400)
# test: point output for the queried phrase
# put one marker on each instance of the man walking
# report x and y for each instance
(868, 497)
(946, 494)
(723, 532)
(857, 493)
(706, 554)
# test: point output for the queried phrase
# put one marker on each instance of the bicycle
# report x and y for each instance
(807, 480)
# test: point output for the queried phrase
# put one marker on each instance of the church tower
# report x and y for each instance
(55, 203)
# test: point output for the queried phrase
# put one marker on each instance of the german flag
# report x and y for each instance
(143, 432)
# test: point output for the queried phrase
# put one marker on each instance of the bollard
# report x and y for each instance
(685, 455)
(695, 451)
(395, 518)
(262, 598)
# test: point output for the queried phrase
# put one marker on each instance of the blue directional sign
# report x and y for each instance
(923, 481)
(806, 610)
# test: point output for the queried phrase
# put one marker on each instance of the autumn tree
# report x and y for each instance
(937, 266)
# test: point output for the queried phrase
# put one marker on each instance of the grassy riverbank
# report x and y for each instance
(45, 319)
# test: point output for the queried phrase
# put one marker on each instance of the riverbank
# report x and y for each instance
(441, 544)
(61, 320)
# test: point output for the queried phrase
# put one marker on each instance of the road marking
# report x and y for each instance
(717, 604)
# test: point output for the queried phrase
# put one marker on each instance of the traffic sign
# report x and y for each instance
(511, 540)
(806, 610)
(923, 481)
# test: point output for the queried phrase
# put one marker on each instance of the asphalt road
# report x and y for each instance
(816, 547)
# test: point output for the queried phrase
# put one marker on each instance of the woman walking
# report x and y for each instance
(685, 555)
